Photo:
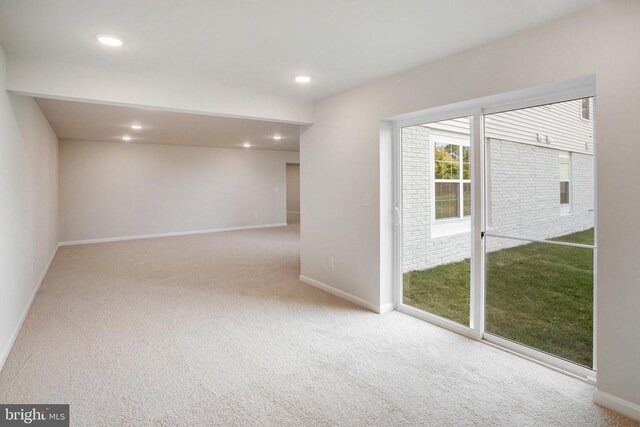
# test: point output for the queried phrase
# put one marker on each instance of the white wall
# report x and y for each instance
(110, 190)
(28, 206)
(343, 159)
(293, 187)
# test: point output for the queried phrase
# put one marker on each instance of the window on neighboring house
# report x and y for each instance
(585, 113)
(452, 179)
(565, 180)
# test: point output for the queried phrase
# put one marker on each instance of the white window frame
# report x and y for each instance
(455, 225)
(565, 208)
(582, 117)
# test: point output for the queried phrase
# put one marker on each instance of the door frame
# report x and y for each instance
(477, 109)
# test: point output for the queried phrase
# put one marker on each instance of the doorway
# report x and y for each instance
(293, 193)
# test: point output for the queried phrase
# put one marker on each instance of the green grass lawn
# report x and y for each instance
(537, 294)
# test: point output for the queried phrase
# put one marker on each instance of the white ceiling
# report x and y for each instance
(96, 122)
(261, 45)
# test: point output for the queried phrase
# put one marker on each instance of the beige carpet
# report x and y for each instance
(216, 329)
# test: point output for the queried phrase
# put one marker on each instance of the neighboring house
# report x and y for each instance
(539, 172)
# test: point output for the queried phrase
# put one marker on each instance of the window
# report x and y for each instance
(452, 178)
(565, 174)
(585, 113)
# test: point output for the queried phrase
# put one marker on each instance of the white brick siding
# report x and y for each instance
(524, 198)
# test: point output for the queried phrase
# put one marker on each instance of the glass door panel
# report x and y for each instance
(436, 218)
(539, 238)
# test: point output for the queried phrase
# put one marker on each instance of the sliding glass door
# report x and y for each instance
(496, 226)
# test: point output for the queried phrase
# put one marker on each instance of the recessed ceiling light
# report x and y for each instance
(126, 138)
(246, 145)
(136, 127)
(277, 137)
(303, 79)
(110, 40)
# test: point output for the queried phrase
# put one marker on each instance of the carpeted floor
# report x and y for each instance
(216, 329)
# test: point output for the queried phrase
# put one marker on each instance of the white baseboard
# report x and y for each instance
(386, 308)
(7, 348)
(614, 403)
(170, 234)
(342, 294)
